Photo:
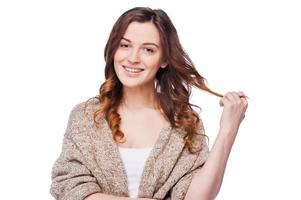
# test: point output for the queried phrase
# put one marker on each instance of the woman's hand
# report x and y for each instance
(235, 105)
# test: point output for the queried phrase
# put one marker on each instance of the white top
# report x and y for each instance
(134, 160)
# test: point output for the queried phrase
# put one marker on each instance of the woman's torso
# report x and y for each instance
(141, 129)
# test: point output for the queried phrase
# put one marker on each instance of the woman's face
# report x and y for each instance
(138, 56)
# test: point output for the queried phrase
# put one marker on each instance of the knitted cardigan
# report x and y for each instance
(90, 161)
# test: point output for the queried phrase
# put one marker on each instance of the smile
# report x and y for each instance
(132, 70)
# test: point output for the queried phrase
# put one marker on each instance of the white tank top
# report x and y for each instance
(134, 160)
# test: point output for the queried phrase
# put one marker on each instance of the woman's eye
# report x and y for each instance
(149, 50)
(124, 45)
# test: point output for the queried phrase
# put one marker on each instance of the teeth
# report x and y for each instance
(133, 70)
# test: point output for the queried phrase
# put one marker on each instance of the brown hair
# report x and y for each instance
(173, 83)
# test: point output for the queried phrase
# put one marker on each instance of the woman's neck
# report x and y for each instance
(135, 99)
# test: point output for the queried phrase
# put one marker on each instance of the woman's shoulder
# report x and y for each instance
(85, 107)
(81, 114)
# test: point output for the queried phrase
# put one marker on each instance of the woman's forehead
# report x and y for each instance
(140, 33)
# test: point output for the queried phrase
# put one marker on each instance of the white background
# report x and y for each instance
(51, 58)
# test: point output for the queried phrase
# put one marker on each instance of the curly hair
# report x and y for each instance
(172, 84)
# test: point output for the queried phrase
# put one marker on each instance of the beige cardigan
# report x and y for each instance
(90, 162)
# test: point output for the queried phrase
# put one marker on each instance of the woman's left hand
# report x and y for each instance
(235, 105)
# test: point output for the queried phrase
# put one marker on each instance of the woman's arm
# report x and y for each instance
(100, 196)
(206, 183)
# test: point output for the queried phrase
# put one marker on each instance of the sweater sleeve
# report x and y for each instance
(178, 192)
(71, 179)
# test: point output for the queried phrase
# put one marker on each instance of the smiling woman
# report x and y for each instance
(140, 137)
(139, 56)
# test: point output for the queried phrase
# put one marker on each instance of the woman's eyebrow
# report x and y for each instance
(146, 43)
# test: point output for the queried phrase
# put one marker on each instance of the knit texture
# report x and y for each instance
(90, 161)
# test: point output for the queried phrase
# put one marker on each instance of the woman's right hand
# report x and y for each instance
(235, 105)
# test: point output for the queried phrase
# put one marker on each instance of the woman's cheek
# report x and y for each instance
(119, 55)
(151, 59)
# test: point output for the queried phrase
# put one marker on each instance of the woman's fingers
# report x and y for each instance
(228, 98)
(236, 97)
(235, 105)
(224, 100)
(241, 93)
(243, 99)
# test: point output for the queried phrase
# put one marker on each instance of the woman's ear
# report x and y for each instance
(163, 65)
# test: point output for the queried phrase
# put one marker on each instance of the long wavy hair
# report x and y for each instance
(172, 84)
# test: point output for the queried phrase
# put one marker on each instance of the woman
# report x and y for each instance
(140, 138)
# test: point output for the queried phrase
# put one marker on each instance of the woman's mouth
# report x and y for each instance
(132, 70)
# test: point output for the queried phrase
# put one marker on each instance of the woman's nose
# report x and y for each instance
(133, 56)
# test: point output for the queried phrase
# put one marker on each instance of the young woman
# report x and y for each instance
(140, 138)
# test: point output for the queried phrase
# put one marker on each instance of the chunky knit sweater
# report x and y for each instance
(90, 161)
